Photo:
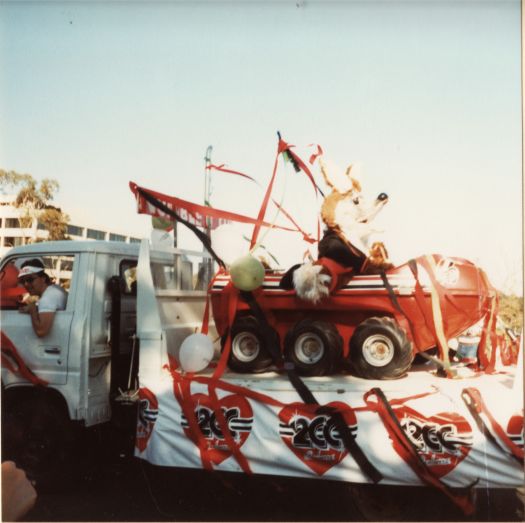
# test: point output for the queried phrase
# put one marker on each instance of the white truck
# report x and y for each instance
(116, 346)
(84, 372)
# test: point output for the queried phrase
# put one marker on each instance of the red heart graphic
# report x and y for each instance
(313, 437)
(442, 440)
(516, 429)
(239, 418)
(147, 415)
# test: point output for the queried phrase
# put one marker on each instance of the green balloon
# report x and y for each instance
(247, 273)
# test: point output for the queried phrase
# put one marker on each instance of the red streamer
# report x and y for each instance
(230, 171)
(12, 360)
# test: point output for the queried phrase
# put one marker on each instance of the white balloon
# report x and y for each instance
(196, 352)
(229, 241)
(247, 273)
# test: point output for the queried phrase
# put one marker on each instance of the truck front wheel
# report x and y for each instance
(380, 349)
(37, 436)
(315, 348)
(248, 352)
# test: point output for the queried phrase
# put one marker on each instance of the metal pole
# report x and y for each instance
(174, 233)
(207, 176)
(208, 263)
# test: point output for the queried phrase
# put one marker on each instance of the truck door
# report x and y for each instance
(46, 357)
(124, 351)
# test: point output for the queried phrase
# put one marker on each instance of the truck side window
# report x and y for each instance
(58, 267)
(164, 275)
(128, 275)
(185, 271)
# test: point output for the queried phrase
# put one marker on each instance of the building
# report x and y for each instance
(13, 234)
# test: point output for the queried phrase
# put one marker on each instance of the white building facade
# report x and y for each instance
(13, 234)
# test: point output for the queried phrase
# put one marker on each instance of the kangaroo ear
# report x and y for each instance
(353, 172)
(335, 178)
(324, 172)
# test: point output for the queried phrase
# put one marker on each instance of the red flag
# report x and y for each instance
(192, 212)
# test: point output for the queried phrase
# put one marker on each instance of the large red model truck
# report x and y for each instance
(373, 326)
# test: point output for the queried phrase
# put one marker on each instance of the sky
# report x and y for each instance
(425, 96)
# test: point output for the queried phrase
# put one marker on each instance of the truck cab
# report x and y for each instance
(76, 374)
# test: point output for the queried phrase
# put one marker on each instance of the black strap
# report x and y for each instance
(470, 402)
(273, 346)
(392, 294)
(350, 443)
(395, 301)
(201, 235)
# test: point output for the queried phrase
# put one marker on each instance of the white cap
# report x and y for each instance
(29, 269)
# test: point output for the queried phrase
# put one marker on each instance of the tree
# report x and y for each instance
(511, 311)
(33, 199)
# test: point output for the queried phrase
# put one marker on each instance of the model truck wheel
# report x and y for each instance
(380, 349)
(315, 348)
(248, 348)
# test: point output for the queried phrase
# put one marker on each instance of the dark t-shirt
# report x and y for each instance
(333, 247)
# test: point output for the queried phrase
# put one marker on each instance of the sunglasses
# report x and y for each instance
(30, 279)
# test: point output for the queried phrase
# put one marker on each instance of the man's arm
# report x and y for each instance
(42, 321)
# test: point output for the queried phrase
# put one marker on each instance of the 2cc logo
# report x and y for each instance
(318, 433)
(313, 437)
(442, 440)
(209, 425)
(148, 413)
(430, 437)
(239, 420)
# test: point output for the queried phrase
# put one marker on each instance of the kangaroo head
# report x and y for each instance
(346, 210)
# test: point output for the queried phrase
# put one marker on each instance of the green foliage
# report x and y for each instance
(161, 223)
(55, 222)
(511, 311)
(33, 199)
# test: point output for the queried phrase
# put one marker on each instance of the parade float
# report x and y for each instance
(354, 383)
(338, 368)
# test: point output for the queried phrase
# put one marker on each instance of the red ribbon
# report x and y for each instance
(281, 148)
(495, 428)
(182, 392)
(285, 147)
(408, 453)
(264, 205)
(306, 236)
(314, 156)
(12, 360)
(230, 171)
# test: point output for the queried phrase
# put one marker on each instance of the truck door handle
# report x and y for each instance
(52, 350)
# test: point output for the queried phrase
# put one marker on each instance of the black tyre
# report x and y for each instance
(380, 349)
(315, 348)
(248, 352)
(38, 436)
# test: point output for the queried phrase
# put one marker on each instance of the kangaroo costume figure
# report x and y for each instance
(341, 252)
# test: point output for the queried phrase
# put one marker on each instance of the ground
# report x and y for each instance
(128, 489)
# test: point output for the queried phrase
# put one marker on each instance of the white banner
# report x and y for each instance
(291, 439)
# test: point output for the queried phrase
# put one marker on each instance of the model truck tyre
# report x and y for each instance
(248, 352)
(314, 347)
(380, 349)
